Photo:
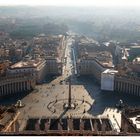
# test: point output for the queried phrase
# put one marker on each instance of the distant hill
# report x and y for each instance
(122, 24)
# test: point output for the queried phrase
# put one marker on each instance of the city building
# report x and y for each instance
(52, 48)
(16, 84)
(3, 66)
(107, 80)
(36, 67)
(127, 84)
(90, 67)
(18, 54)
(70, 126)
(54, 66)
(91, 59)
(120, 81)
(97, 61)
(130, 120)
(135, 65)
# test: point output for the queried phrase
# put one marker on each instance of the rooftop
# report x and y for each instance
(7, 115)
(104, 57)
(115, 117)
(136, 121)
(109, 71)
(26, 64)
(73, 124)
(132, 115)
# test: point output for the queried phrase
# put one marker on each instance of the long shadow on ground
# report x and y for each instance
(103, 99)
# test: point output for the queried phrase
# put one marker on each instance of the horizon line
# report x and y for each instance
(105, 6)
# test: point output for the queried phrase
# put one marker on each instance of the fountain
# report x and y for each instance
(19, 104)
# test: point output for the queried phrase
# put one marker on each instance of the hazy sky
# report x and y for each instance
(72, 2)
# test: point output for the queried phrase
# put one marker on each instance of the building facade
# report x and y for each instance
(11, 85)
(129, 85)
(107, 80)
(36, 67)
(52, 48)
(54, 67)
(90, 67)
